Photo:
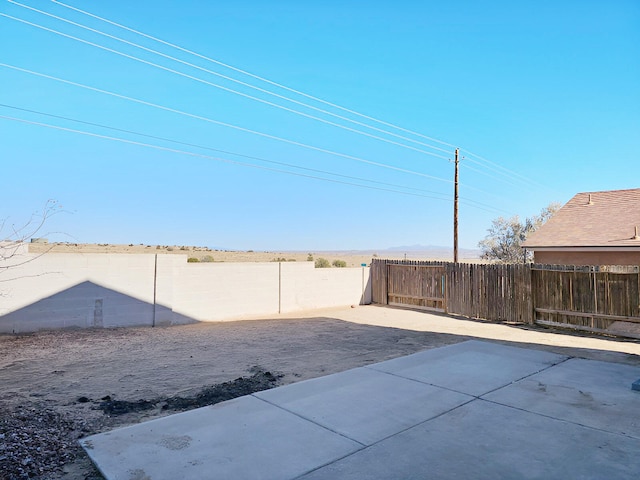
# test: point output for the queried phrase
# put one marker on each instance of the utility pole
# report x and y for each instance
(455, 212)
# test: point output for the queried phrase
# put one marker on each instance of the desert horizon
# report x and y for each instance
(353, 258)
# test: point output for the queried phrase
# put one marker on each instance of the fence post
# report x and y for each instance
(529, 297)
(445, 281)
(279, 287)
(155, 288)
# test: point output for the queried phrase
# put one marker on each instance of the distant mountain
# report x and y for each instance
(435, 251)
(417, 248)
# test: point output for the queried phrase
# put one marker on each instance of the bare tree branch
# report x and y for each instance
(12, 244)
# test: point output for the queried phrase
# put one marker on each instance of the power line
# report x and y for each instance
(200, 80)
(469, 167)
(498, 168)
(155, 137)
(257, 77)
(509, 175)
(469, 202)
(217, 122)
(466, 201)
(284, 87)
(198, 117)
(233, 80)
(209, 157)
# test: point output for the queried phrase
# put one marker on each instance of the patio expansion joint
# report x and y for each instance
(471, 398)
(563, 420)
(548, 416)
(366, 447)
(421, 382)
(309, 420)
(478, 397)
(566, 359)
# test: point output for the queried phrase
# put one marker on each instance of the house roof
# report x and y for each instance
(592, 219)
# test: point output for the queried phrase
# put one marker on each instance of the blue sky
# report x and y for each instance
(541, 96)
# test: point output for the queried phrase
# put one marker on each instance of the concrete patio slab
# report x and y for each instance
(420, 416)
(363, 404)
(243, 438)
(482, 440)
(587, 392)
(472, 367)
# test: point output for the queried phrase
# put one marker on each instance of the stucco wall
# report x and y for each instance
(587, 258)
(105, 290)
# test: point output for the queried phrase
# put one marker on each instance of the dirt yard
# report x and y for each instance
(63, 385)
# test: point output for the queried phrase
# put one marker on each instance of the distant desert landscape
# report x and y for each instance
(353, 258)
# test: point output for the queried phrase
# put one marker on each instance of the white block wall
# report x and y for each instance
(105, 290)
(307, 288)
(68, 290)
(220, 291)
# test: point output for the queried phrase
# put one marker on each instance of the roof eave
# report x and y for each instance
(583, 248)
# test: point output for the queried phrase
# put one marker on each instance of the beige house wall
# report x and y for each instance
(560, 257)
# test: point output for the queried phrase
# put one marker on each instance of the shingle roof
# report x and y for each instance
(608, 220)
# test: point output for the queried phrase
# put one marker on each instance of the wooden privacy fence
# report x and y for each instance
(595, 298)
(421, 286)
(493, 292)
